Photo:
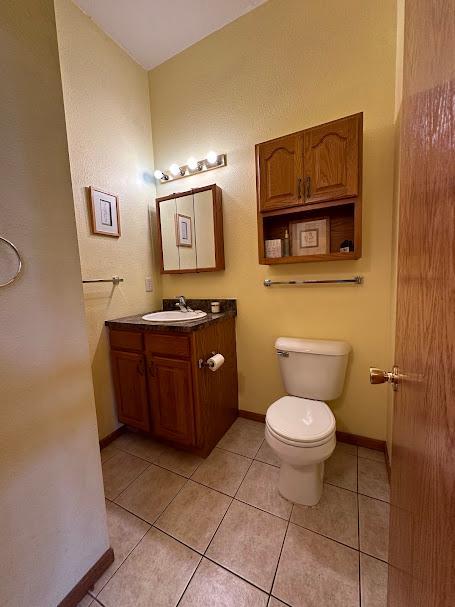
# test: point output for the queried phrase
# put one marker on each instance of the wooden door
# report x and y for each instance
(279, 172)
(422, 528)
(128, 369)
(332, 160)
(171, 398)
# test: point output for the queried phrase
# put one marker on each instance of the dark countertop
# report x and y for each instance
(136, 322)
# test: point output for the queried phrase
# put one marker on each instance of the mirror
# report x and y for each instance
(191, 231)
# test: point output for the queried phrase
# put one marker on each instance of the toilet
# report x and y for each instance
(300, 428)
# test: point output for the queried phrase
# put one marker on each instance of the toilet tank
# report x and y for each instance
(312, 368)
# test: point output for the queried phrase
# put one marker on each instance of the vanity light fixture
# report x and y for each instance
(192, 167)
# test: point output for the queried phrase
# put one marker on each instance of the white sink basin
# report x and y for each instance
(174, 316)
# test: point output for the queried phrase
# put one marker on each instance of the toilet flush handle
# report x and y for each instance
(282, 353)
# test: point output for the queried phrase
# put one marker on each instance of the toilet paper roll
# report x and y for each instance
(215, 362)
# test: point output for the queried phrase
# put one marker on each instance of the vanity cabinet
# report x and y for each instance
(314, 175)
(161, 388)
(128, 370)
(190, 229)
(171, 399)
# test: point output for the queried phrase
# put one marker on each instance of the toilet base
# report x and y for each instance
(301, 485)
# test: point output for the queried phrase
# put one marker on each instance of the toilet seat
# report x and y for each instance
(300, 422)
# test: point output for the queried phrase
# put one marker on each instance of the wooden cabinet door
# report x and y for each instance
(331, 160)
(171, 398)
(131, 389)
(279, 172)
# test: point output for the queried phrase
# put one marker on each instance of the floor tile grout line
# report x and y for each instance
(281, 552)
(114, 572)
(189, 581)
(132, 481)
(262, 509)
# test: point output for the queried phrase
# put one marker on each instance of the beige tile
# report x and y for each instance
(244, 437)
(125, 532)
(341, 447)
(374, 454)
(181, 462)
(119, 471)
(374, 527)
(373, 582)
(107, 453)
(194, 515)
(273, 602)
(139, 445)
(87, 601)
(315, 571)
(248, 542)
(154, 575)
(267, 455)
(223, 471)
(341, 470)
(373, 479)
(336, 516)
(260, 488)
(213, 586)
(149, 495)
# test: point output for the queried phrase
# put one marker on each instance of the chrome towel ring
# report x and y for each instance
(19, 262)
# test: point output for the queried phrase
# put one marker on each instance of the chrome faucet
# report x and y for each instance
(181, 303)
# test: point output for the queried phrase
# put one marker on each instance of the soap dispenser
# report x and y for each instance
(286, 251)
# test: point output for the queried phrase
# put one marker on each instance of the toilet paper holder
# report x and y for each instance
(201, 363)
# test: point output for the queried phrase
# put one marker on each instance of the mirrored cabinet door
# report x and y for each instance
(205, 229)
(191, 231)
(186, 232)
(169, 249)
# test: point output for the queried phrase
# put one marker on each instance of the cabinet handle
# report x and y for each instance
(140, 367)
(151, 367)
(299, 187)
(307, 186)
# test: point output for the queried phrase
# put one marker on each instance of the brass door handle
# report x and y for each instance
(378, 376)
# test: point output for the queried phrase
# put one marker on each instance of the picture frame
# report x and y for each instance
(184, 230)
(104, 213)
(310, 237)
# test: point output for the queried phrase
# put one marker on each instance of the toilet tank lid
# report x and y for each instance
(313, 346)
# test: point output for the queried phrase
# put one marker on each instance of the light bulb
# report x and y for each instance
(192, 163)
(158, 174)
(175, 169)
(211, 157)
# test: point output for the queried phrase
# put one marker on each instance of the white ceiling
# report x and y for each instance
(152, 31)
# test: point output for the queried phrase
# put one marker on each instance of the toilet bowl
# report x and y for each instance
(300, 428)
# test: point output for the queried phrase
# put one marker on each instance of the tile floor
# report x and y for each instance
(216, 533)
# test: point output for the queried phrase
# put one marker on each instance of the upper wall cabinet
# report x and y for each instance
(280, 172)
(309, 193)
(190, 227)
(331, 160)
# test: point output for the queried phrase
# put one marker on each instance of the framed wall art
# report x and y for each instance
(184, 231)
(105, 213)
(310, 237)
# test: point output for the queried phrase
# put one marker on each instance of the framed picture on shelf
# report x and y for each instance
(310, 237)
(184, 231)
(104, 213)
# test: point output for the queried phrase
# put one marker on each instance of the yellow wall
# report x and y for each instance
(283, 67)
(53, 518)
(110, 146)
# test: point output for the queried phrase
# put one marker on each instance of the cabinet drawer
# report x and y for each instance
(126, 340)
(171, 345)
